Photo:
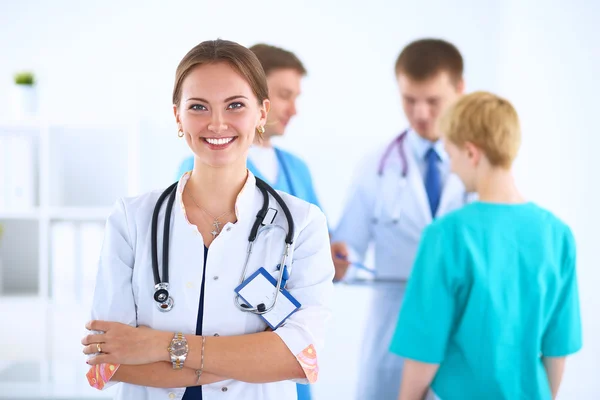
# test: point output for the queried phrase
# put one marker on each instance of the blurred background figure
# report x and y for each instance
(492, 306)
(397, 192)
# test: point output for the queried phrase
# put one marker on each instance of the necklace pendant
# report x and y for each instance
(215, 232)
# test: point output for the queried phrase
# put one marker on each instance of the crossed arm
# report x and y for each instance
(143, 359)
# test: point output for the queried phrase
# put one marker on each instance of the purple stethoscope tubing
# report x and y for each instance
(399, 144)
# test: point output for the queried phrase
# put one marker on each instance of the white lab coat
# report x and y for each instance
(125, 285)
(395, 246)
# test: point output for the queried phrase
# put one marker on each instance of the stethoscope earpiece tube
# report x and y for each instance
(398, 142)
(161, 288)
(166, 232)
(289, 239)
(154, 233)
(262, 213)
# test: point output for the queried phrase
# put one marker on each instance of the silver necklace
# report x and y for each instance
(216, 223)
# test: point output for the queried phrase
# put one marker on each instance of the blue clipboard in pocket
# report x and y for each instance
(260, 288)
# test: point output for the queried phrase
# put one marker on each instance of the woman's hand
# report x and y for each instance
(124, 344)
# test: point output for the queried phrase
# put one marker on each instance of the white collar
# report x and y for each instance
(420, 146)
(244, 203)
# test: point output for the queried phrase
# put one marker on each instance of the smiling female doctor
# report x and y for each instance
(280, 168)
(207, 346)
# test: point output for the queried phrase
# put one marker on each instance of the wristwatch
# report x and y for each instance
(178, 349)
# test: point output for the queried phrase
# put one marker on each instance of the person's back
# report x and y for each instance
(512, 270)
(492, 307)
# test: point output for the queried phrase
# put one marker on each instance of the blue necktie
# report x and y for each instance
(433, 180)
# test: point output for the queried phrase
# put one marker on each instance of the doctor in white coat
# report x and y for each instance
(398, 191)
(204, 346)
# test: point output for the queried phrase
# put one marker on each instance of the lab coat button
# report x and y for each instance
(189, 285)
(228, 229)
(224, 389)
(171, 395)
(215, 278)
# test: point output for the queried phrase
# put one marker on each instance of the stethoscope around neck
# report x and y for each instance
(399, 144)
(162, 296)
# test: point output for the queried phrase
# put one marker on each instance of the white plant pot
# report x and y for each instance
(24, 101)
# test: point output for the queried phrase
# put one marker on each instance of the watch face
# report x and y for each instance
(179, 348)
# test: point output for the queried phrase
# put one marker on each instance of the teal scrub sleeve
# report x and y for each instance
(563, 332)
(186, 165)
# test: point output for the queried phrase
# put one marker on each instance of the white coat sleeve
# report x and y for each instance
(355, 227)
(113, 295)
(311, 283)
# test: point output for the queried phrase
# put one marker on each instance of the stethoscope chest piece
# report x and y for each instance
(166, 306)
(161, 295)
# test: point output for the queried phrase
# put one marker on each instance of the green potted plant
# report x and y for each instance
(25, 98)
(25, 78)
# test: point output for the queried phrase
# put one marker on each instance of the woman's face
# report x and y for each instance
(219, 114)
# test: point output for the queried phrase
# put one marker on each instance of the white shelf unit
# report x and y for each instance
(80, 170)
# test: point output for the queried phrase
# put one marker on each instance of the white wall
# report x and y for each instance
(115, 61)
(550, 57)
